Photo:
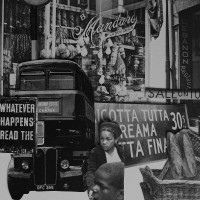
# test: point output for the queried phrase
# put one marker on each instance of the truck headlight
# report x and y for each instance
(25, 165)
(64, 164)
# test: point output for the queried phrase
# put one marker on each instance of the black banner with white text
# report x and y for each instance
(17, 124)
(144, 127)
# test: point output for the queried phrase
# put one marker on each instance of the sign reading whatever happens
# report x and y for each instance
(17, 124)
(144, 128)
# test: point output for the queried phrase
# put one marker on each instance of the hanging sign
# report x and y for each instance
(144, 128)
(17, 124)
(185, 51)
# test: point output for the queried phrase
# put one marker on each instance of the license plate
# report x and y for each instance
(44, 187)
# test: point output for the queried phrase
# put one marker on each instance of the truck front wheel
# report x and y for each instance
(14, 190)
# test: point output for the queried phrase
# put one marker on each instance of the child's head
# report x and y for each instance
(109, 182)
(109, 135)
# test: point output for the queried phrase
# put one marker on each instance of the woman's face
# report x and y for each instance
(107, 140)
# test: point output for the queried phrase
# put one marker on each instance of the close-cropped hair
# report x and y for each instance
(115, 171)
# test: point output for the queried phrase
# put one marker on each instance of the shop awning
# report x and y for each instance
(185, 4)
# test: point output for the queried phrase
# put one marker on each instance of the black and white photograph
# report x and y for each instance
(99, 99)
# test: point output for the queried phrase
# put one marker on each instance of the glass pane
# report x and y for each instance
(73, 3)
(65, 2)
(33, 73)
(59, 81)
(32, 83)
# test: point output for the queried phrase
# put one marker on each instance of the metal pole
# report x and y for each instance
(167, 61)
(1, 45)
(53, 29)
(47, 30)
(147, 49)
(172, 41)
(34, 43)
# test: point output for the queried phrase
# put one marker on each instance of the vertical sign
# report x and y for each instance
(185, 51)
(1, 45)
(17, 125)
(144, 128)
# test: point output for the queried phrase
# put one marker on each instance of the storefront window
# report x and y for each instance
(17, 41)
(107, 39)
(118, 57)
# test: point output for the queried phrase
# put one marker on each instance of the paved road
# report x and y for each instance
(4, 194)
(132, 187)
(55, 196)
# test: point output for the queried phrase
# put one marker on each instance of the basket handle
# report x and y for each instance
(147, 190)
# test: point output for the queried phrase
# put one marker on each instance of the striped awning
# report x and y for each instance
(185, 4)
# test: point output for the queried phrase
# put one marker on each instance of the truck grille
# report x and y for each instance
(45, 166)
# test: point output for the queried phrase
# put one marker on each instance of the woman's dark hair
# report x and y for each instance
(112, 127)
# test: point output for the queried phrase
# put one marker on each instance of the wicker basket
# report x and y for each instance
(195, 141)
(159, 184)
